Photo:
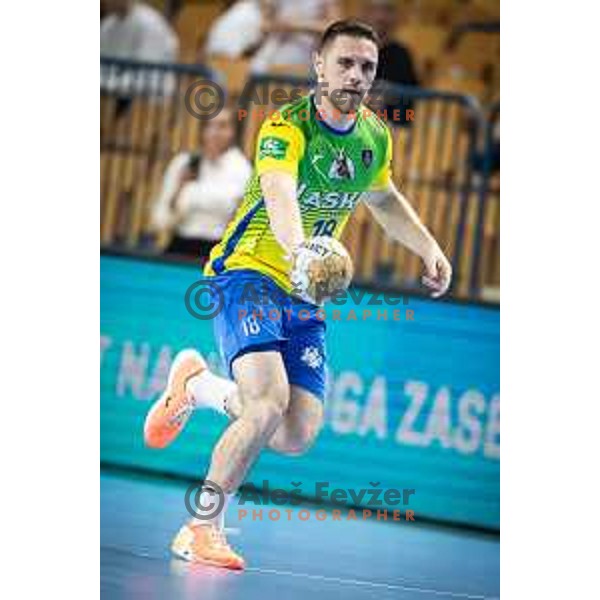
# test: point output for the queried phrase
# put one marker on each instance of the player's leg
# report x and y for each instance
(298, 429)
(265, 393)
(300, 425)
(198, 387)
(304, 357)
(263, 385)
(190, 383)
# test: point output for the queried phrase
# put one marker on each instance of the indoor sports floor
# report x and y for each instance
(290, 559)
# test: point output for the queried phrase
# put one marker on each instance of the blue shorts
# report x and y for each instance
(258, 315)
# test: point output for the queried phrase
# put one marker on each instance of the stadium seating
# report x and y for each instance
(475, 48)
(426, 43)
(458, 81)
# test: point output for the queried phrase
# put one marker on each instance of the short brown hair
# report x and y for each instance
(350, 27)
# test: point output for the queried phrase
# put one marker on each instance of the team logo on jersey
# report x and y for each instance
(311, 357)
(273, 147)
(367, 157)
(342, 167)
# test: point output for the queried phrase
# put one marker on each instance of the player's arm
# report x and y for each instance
(401, 223)
(279, 148)
(279, 193)
(397, 217)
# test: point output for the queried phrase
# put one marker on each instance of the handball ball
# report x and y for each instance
(321, 267)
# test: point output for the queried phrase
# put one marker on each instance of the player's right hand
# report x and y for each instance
(300, 257)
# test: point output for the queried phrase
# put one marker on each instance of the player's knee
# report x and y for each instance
(266, 406)
(264, 415)
(273, 393)
(301, 438)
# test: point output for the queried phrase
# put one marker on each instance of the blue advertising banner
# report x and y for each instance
(413, 399)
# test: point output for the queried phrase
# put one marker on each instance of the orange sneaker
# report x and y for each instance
(170, 412)
(206, 544)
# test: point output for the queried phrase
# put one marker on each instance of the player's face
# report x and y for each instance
(348, 64)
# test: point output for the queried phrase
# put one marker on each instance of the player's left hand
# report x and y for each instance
(438, 272)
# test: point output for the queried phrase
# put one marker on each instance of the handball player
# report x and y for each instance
(314, 162)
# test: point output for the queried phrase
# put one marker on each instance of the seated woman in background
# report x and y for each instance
(201, 191)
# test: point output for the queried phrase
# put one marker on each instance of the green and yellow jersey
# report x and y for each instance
(332, 168)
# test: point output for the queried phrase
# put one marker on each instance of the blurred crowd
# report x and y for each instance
(271, 33)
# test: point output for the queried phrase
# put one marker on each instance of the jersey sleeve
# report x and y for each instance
(280, 146)
(384, 175)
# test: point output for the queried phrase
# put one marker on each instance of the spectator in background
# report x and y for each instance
(395, 61)
(290, 30)
(200, 192)
(237, 31)
(135, 31)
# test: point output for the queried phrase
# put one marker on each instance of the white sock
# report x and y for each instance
(210, 499)
(211, 391)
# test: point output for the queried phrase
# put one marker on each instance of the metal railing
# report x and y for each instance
(442, 162)
(485, 269)
(143, 124)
